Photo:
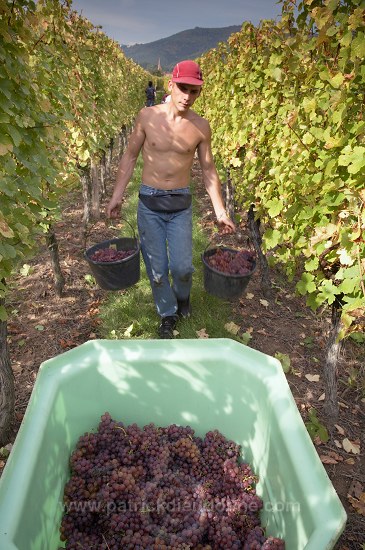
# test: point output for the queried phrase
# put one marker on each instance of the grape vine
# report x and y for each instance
(286, 101)
(65, 90)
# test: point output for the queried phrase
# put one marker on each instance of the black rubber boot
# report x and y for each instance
(184, 308)
(167, 326)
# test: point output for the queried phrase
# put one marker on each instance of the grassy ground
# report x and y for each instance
(132, 314)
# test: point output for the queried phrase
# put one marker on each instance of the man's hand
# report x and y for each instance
(113, 208)
(227, 223)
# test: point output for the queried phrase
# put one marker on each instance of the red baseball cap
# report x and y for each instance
(187, 72)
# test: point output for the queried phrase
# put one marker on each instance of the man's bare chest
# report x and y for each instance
(181, 140)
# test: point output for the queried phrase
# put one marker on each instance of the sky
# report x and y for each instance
(142, 21)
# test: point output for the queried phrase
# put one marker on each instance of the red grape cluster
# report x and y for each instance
(110, 255)
(156, 488)
(232, 262)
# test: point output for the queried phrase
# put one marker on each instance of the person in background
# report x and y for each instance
(168, 135)
(150, 94)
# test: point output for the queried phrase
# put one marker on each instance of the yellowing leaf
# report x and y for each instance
(340, 429)
(312, 377)
(5, 230)
(4, 149)
(17, 369)
(356, 489)
(345, 259)
(128, 331)
(45, 104)
(202, 333)
(236, 162)
(351, 446)
(358, 504)
(308, 138)
(292, 117)
(250, 155)
(325, 459)
(232, 328)
(246, 337)
(335, 455)
(337, 80)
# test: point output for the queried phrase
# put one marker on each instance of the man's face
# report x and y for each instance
(184, 95)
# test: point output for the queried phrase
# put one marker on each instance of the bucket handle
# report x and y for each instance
(212, 245)
(130, 225)
(109, 226)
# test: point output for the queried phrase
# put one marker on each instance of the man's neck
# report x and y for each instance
(174, 114)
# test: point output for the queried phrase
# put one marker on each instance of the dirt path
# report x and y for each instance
(43, 325)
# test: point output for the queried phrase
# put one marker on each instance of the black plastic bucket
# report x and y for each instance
(223, 285)
(120, 274)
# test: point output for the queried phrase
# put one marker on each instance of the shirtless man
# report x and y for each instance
(168, 135)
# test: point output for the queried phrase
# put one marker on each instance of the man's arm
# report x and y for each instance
(126, 167)
(211, 179)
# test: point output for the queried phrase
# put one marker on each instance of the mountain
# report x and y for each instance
(188, 44)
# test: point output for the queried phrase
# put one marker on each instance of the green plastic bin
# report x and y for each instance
(207, 384)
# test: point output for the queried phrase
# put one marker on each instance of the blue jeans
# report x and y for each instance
(166, 245)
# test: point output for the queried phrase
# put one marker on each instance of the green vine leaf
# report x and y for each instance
(272, 238)
(306, 285)
(328, 291)
(275, 206)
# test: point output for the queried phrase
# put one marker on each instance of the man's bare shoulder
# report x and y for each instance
(200, 121)
(148, 113)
